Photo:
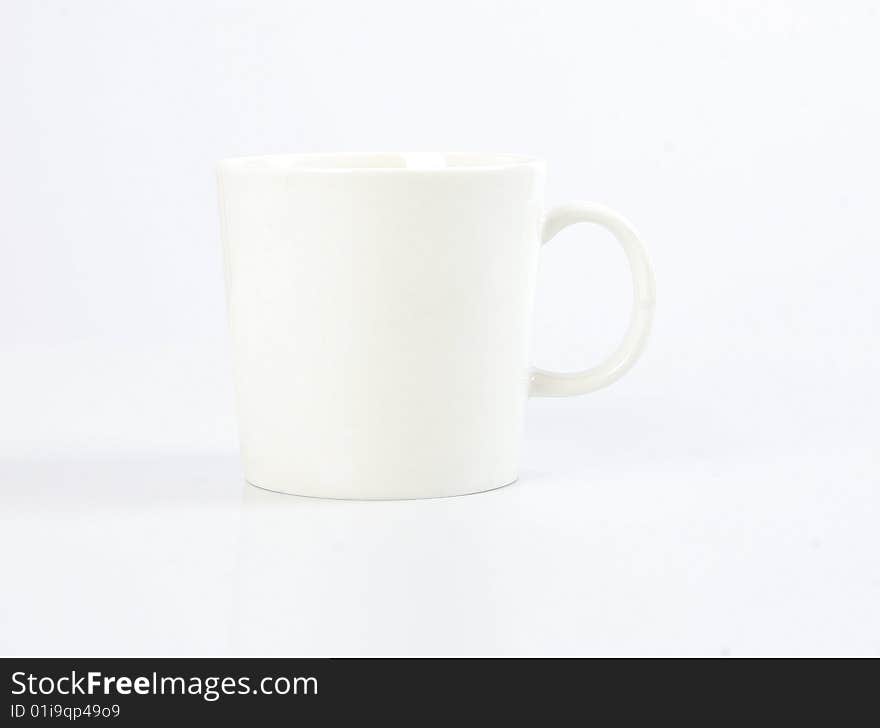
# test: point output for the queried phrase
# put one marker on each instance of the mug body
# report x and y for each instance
(380, 310)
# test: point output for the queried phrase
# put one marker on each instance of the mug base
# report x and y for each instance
(452, 494)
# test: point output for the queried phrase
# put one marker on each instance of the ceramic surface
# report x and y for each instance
(380, 308)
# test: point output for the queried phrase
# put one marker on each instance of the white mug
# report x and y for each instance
(380, 309)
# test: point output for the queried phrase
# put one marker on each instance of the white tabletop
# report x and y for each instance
(619, 539)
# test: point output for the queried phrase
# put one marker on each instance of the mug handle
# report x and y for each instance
(558, 384)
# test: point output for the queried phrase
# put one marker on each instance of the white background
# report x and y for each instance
(721, 499)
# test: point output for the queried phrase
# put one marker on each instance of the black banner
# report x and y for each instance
(199, 691)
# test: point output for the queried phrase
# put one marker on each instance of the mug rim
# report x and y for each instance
(378, 162)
